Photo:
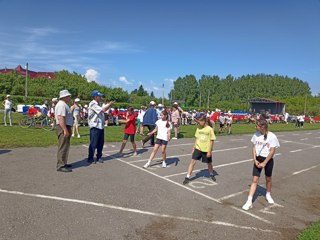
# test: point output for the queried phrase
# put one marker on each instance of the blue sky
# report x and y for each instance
(127, 43)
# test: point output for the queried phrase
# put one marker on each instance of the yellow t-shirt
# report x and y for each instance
(204, 136)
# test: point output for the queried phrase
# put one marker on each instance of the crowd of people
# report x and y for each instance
(160, 122)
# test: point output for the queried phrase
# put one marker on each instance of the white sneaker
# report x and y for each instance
(269, 199)
(174, 138)
(146, 165)
(72, 135)
(135, 154)
(164, 165)
(247, 206)
(78, 135)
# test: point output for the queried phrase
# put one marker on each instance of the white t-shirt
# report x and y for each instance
(263, 146)
(62, 109)
(7, 104)
(162, 130)
(95, 115)
(140, 115)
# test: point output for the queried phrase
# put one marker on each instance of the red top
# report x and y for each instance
(130, 125)
(215, 116)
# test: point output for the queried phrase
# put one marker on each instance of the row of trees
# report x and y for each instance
(208, 92)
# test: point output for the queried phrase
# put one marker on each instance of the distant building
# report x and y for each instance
(21, 71)
(260, 105)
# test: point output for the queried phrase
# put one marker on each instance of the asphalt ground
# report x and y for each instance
(118, 199)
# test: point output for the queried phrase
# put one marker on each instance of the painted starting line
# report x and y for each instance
(225, 224)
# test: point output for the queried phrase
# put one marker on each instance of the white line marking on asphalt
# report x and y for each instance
(232, 195)
(218, 166)
(268, 208)
(304, 170)
(183, 155)
(298, 150)
(304, 139)
(308, 133)
(135, 210)
(307, 144)
(192, 190)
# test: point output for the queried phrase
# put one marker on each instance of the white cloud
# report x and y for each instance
(123, 79)
(92, 75)
(156, 88)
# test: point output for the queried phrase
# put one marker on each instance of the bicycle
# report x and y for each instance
(45, 123)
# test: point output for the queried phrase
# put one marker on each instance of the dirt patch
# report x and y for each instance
(157, 230)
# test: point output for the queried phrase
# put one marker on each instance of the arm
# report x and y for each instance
(169, 134)
(63, 125)
(107, 107)
(270, 155)
(153, 131)
(209, 154)
(254, 155)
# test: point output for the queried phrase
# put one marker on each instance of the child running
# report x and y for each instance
(203, 147)
(263, 150)
(163, 136)
(129, 130)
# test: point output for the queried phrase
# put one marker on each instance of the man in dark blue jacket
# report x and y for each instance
(149, 121)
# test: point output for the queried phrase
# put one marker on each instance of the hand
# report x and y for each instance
(66, 133)
(262, 165)
(256, 162)
(209, 154)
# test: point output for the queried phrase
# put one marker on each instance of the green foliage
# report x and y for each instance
(311, 233)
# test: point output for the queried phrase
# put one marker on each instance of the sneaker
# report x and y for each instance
(78, 135)
(269, 199)
(135, 154)
(100, 161)
(64, 169)
(247, 206)
(213, 178)
(164, 165)
(174, 138)
(72, 135)
(186, 181)
(146, 165)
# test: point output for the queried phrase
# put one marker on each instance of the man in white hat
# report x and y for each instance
(96, 124)
(149, 121)
(64, 121)
(159, 109)
(7, 103)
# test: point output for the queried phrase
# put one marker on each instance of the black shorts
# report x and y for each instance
(126, 136)
(161, 142)
(197, 155)
(221, 125)
(267, 169)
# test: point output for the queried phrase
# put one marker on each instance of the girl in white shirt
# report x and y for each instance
(263, 150)
(163, 136)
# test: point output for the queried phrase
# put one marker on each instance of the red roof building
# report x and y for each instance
(21, 71)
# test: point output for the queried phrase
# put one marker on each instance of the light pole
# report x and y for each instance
(26, 92)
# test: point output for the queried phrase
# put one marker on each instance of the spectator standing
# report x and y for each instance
(76, 109)
(175, 118)
(64, 122)
(159, 110)
(115, 116)
(214, 118)
(229, 121)
(8, 105)
(96, 125)
(149, 121)
(140, 120)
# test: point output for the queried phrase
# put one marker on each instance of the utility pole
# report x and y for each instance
(26, 90)
(208, 100)
(162, 93)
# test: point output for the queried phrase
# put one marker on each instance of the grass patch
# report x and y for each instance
(311, 233)
(15, 136)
